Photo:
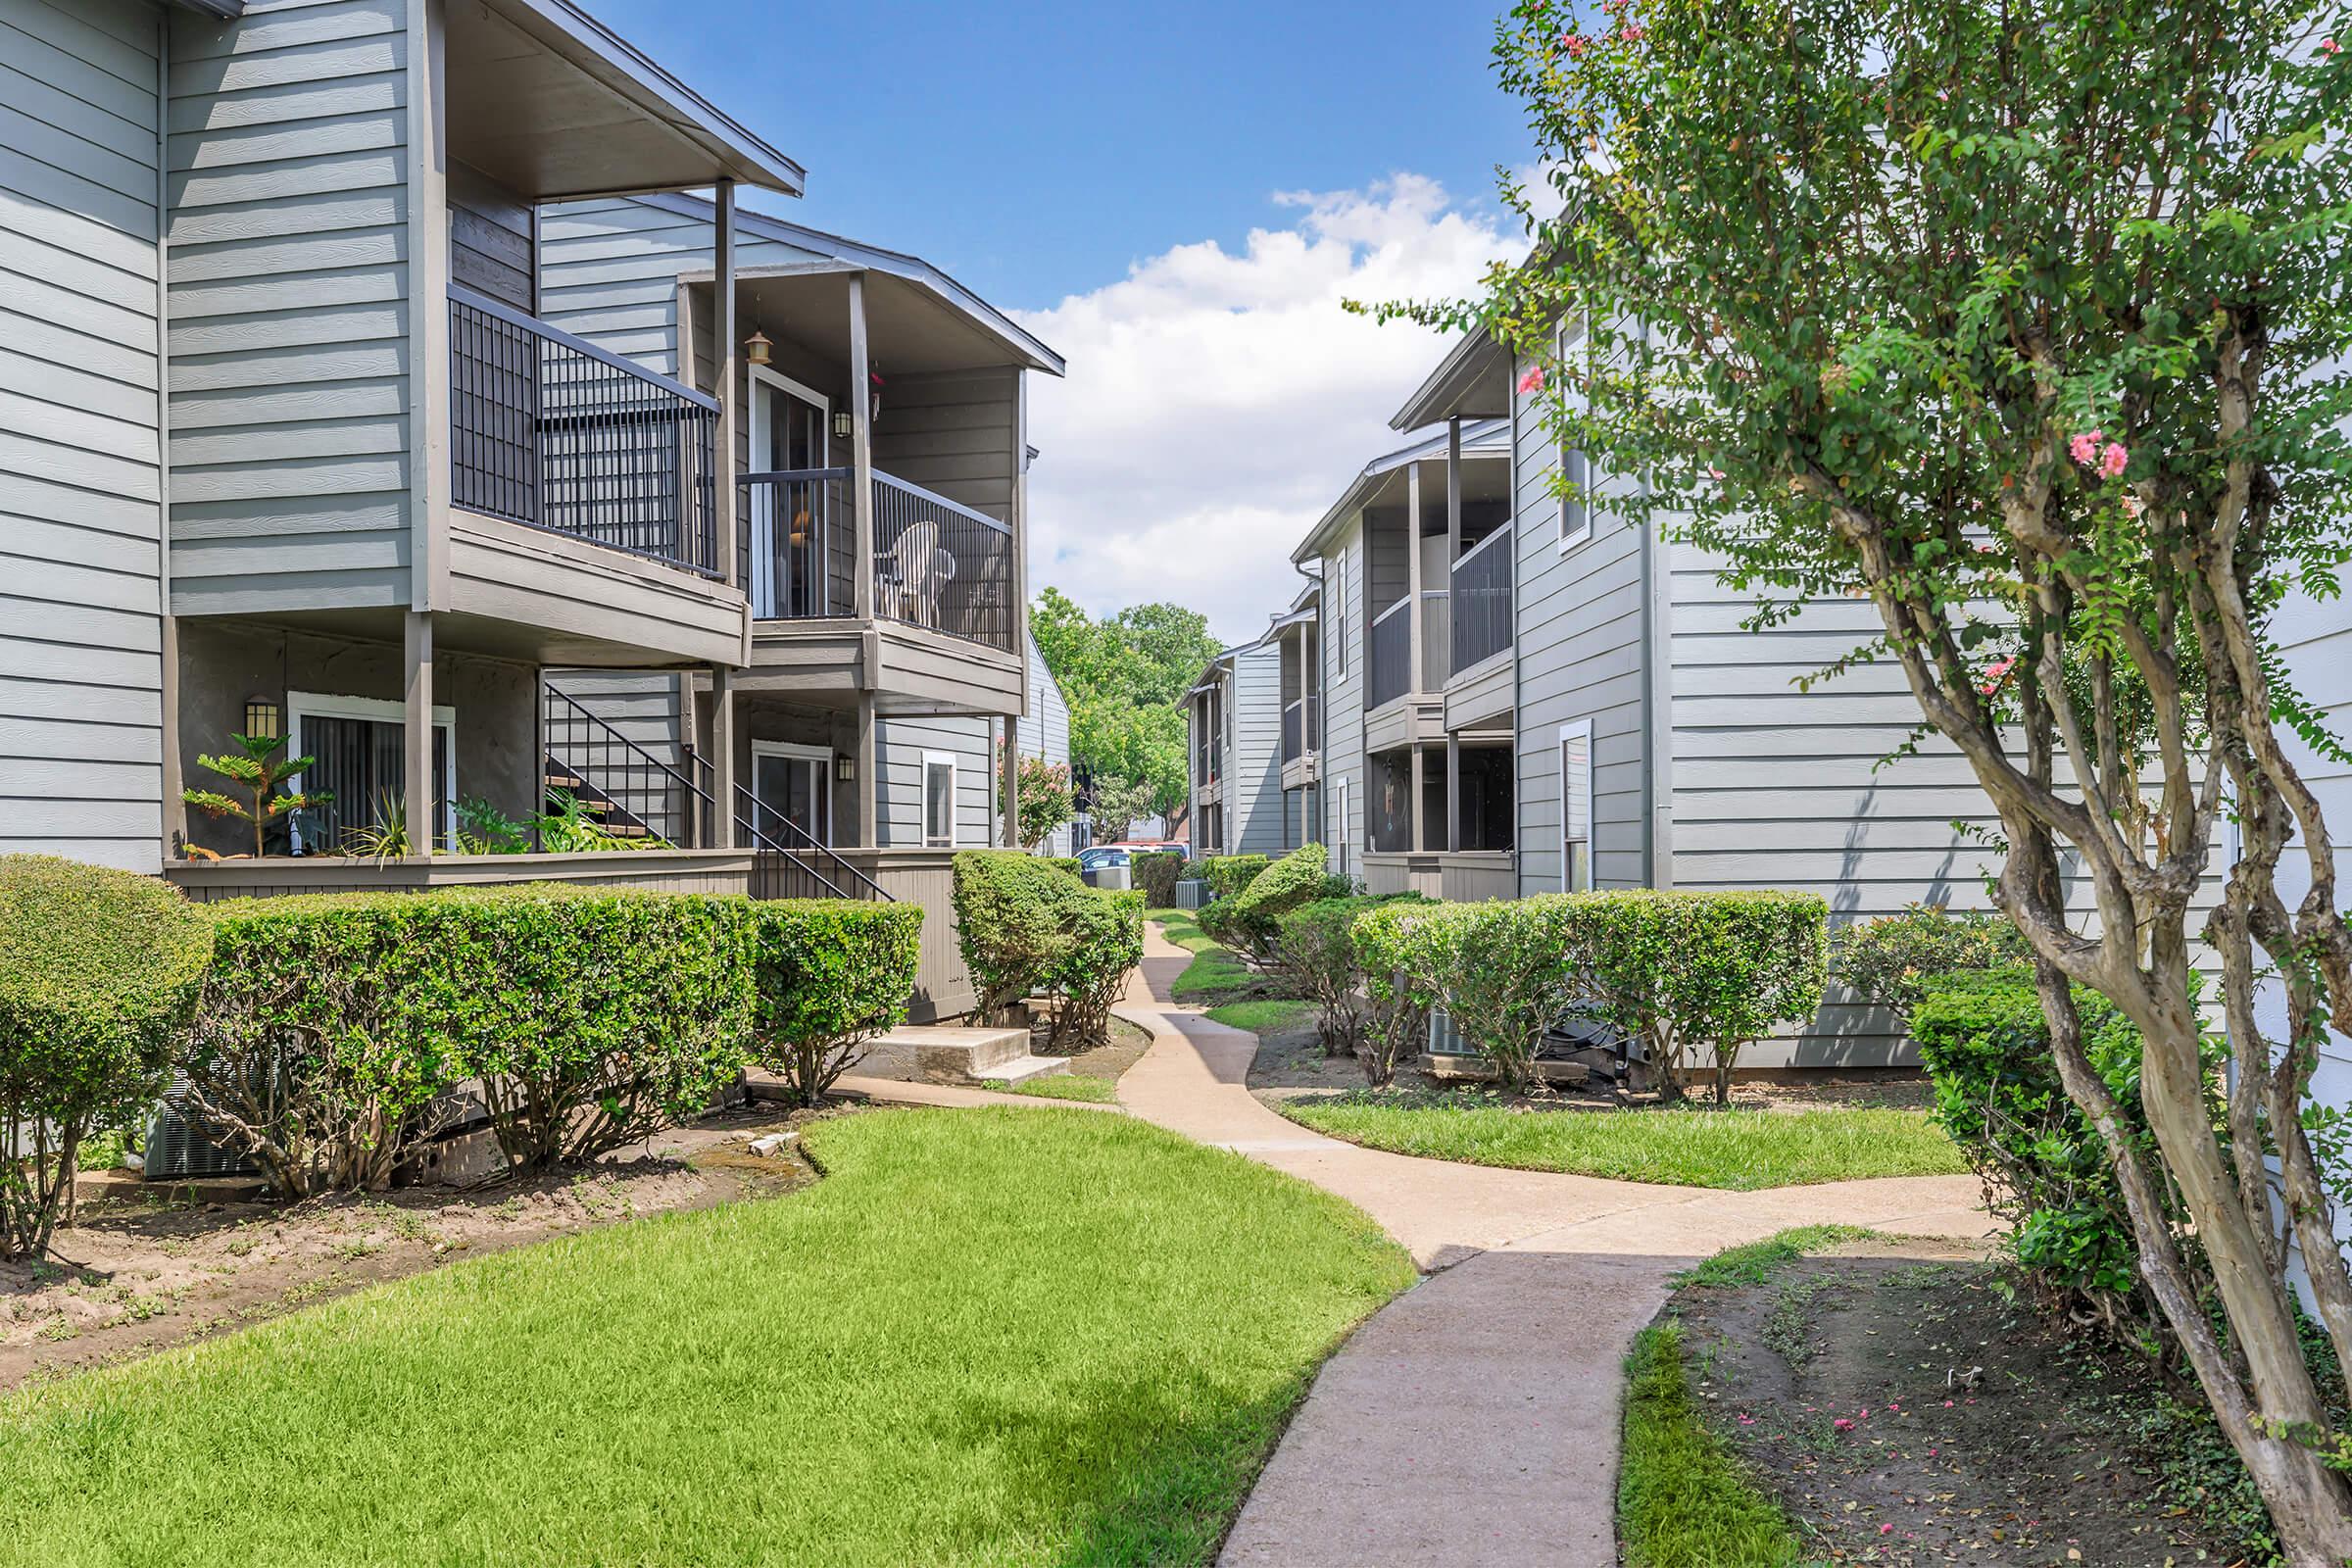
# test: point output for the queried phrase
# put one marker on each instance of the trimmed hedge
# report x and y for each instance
(1893, 960)
(1025, 930)
(1316, 944)
(1156, 874)
(831, 975)
(1065, 863)
(1228, 874)
(1985, 1042)
(1246, 921)
(333, 1030)
(1688, 973)
(99, 972)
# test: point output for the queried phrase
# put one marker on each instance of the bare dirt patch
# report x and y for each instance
(1903, 1410)
(145, 1268)
(1126, 1046)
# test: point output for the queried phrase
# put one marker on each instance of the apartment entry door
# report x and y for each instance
(795, 784)
(790, 522)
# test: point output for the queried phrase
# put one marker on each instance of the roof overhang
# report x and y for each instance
(556, 106)
(1472, 382)
(917, 316)
(1489, 439)
(217, 10)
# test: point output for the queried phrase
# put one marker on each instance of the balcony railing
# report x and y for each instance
(1390, 672)
(936, 564)
(550, 430)
(1481, 600)
(1300, 727)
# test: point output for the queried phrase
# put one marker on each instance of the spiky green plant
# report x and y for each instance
(253, 768)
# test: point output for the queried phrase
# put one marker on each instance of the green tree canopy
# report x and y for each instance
(1125, 677)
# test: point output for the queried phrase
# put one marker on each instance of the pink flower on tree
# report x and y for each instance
(2086, 446)
(2327, 46)
(1629, 33)
(1530, 381)
(1576, 43)
(1990, 684)
(2112, 459)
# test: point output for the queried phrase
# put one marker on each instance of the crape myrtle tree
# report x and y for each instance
(2025, 321)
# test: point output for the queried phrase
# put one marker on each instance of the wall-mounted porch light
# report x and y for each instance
(845, 769)
(263, 718)
(757, 348)
(842, 419)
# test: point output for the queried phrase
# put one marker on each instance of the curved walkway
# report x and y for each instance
(1474, 1420)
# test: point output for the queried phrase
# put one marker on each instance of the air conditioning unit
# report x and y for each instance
(1193, 894)
(183, 1144)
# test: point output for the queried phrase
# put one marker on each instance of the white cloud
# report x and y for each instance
(1217, 403)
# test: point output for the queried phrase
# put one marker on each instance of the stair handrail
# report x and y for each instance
(685, 780)
(761, 811)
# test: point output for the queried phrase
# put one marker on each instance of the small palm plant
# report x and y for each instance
(253, 768)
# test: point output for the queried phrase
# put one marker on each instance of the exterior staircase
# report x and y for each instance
(941, 1053)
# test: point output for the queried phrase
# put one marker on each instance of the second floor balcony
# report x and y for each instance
(929, 562)
(553, 432)
(1481, 601)
(1301, 727)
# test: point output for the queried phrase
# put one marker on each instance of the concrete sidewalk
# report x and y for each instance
(1474, 1420)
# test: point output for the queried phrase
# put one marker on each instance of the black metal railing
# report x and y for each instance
(798, 544)
(942, 565)
(1299, 729)
(629, 790)
(550, 430)
(1388, 671)
(787, 864)
(936, 564)
(1481, 600)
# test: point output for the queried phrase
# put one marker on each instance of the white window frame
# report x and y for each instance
(946, 759)
(764, 460)
(1580, 730)
(823, 755)
(1346, 845)
(329, 705)
(1581, 504)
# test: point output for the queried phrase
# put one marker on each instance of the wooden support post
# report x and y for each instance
(722, 756)
(723, 348)
(861, 461)
(1453, 792)
(870, 784)
(1412, 589)
(419, 785)
(1420, 801)
(1454, 532)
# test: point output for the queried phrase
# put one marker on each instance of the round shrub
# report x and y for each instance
(1245, 921)
(1228, 874)
(1315, 944)
(1025, 929)
(831, 975)
(1397, 1024)
(1505, 971)
(99, 971)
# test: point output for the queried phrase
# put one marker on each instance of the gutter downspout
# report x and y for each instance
(1518, 723)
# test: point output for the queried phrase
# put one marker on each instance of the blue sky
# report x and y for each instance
(1177, 199)
(1034, 148)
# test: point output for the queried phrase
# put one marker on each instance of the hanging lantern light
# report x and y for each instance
(756, 348)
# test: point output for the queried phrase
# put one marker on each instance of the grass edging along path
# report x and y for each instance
(914, 1361)
(1739, 1150)
(1683, 1500)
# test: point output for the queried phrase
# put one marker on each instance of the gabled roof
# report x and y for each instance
(1472, 382)
(840, 254)
(1487, 438)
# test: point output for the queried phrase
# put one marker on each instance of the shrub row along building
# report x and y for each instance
(1487, 691)
(373, 374)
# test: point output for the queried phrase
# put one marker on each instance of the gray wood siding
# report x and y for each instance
(643, 705)
(80, 443)
(958, 434)
(1340, 644)
(490, 238)
(1253, 797)
(899, 747)
(1577, 619)
(290, 291)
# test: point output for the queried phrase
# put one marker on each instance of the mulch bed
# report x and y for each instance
(1902, 1409)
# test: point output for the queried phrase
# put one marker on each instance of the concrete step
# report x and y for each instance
(1021, 1069)
(941, 1053)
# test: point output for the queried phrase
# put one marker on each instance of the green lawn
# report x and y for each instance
(1682, 1498)
(988, 1337)
(1741, 1149)
(1265, 1018)
(1060, 1086)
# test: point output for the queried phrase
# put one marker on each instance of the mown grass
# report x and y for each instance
(915, 1360)
(1060, 1086)
(1181, 927)
(1682, 1498)
(1738, 1150)
(1264, 1017)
